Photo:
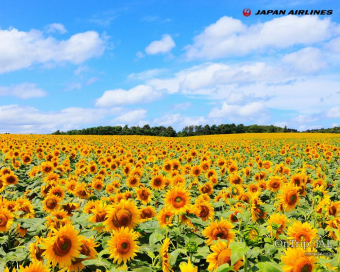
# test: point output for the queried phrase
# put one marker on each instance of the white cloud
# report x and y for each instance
(210, 76)
(179, 121)
(163, 46)
(244, 111)
(182, 106)
(56, 28)
(145, 75)
(136, 95)
(81, 69)
(230, 37)
(19, 49)
(23, 90)
(73, 86)
(333, 45)
(333, 112)
(131, 117)
(92, 80)
(139, 55)
(18, 119)
(307, 60)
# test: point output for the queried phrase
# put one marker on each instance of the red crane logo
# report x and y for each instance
(246, 12)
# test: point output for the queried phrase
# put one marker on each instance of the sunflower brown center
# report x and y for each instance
(10, 179)
(146, 214)
(302, 236)
(204, 211)
(122, 219)
(38, 253)
(220, 233)
(51, 204)
(100, 216)
(275, 185)
(303, 264)
(291, 198)
(123, 246)
(3, 220)
(144, 195)
(157, 182)
(332, 210)
(224, 257)
(62, 245)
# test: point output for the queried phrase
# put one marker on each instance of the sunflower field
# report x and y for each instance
(246, 202)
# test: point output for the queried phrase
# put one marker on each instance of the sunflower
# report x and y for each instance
(221, 254)
(10, 179)
(6, 219)
(2, 185)
(302, 232)
(98, 184)
(219, 229)
(35, 250)
(122, 245)
(63, 247)
(87, 248)
(144, 195)
(167, 166)
(51, 203)
(188, 267)
(333, 208)
(47, 167)
(133, 181)
(124, 214)
(299, 179)
(196, 170)
(296, 260)
(277, 223)
(147, 213)
(232, 168)
(34, 267)
(289, 196)
(166, 267)
(274, 183)
(70, 207)
(178, 181)
(89, 206)
(158, 183)
(178, 199)
(165, 217)
(206, 188)
(204, 210)
(82, 191)
(57, 191)
(99, 214)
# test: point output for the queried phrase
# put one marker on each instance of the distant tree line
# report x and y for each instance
(170, 132)
(324, 130)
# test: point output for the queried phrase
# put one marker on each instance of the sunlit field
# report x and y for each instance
(247, 202)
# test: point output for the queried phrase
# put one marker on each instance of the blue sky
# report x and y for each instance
(75, 64)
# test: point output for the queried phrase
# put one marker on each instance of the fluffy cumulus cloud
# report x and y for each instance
(56, 28)
(333, 112)
(161, 47)
(131, 117)
(137, 95)
(230, 37)
(251, 112)
(20, 119)
(23, 91)
(306, 60)
(19, 49)
(208, 77)
(179, 121)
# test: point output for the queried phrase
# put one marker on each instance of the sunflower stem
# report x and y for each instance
(245, 263)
